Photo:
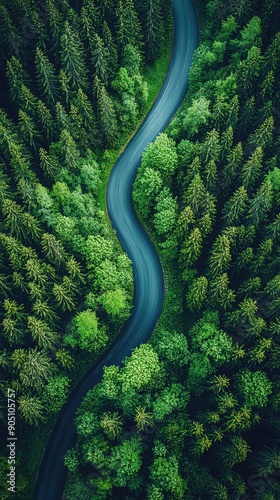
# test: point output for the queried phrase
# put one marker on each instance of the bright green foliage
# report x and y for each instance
(41, 333)
(197, 114)
(146, 187)
(236, 207)
(71, 460)
(161, 156)
(253, 387)
(165, 474)
(141, 369)
(212, 342)
(260, 204)
(172, 347)
(166, 213)
(86, 333)
(192, 247)
(56, 392)
(114, 302)
(220, 256)
(125, 461)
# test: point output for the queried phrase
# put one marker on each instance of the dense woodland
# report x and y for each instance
(72, 89)
(194, 414)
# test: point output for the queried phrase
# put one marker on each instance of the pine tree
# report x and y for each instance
(73, 58)
(31, 409)
(63, 297)
(127, 25)
(27, 101)
(28, 129)
(16, 78)
(248, 114)
(53, 249)
(210, 173)
(100, 59)
(48, 163)
(262, 137)
(9, 34)
(260, 204)
(85, 109)
(69, 150)
(153, 27)
(197, 293)
(192, 246)
(45, 313)
(272, 53)
(111, 424)
(210, 148)
(143, 419)
(46, 78)
(13, 331)
(235, 452)
(55, 20)
(220, 291)
(226, 142)
(220, 256)
(251, 169)
(249, 70)
(45, 120)
(236, 207)
(195, 195)
(267, 86)
(41, 333)
(106, 114)
(112, 50)
(13, 218)
(35, 367)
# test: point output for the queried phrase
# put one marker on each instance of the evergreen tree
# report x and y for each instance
(46, 78)
(127, 25)
(100, 59)
(106, 115)
(153, 27)
(73, 58)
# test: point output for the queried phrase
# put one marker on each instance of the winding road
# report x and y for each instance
(148, 277)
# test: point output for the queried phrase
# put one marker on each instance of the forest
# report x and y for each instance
(72, 92)
(194, 413)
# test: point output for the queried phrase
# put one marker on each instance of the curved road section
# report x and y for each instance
(148, 277)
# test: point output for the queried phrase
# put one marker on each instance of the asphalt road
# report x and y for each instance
(148, 277)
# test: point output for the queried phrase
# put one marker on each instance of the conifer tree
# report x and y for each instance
(127, 25)
(100, 59)
(16, 77)
(153, 27)
(106, 114)
(73, 58)
(236, 207)
(46, 78)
